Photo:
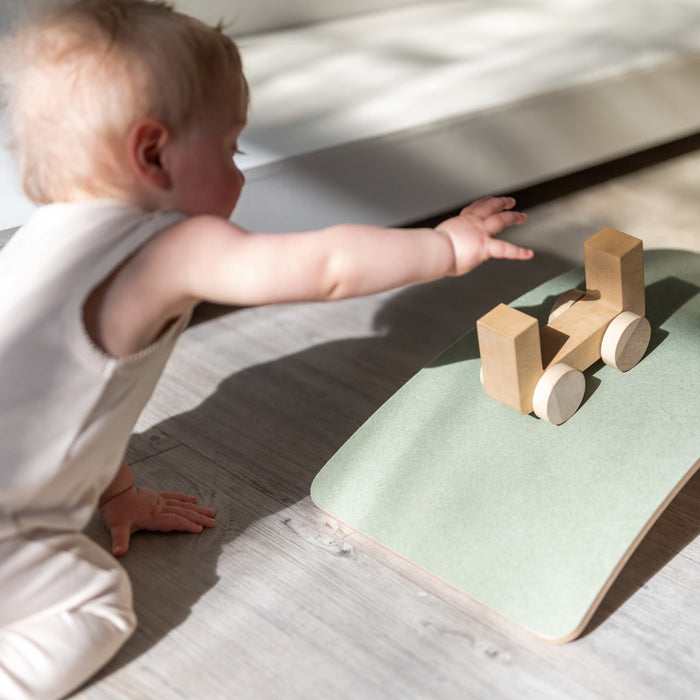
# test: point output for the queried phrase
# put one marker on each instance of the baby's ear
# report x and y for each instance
(146, 141)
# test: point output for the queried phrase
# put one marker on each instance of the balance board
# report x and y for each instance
(531, 519)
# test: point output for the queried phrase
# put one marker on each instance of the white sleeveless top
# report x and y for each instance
(66, 408)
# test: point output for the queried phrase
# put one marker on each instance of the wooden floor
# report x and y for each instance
(281, 601)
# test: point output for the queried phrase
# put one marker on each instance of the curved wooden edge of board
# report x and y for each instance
(581, 628)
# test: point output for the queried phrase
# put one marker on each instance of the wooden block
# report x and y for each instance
(614, 264)
(582, 326)
(509, 345)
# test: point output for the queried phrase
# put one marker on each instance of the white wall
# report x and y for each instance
(246, 16)
(249, 16)
(10, 10)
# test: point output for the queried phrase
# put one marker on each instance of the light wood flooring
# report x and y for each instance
(282, 601)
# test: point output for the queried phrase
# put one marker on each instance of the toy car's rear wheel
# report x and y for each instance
(558, 393)
(625, 340)
(564, 302)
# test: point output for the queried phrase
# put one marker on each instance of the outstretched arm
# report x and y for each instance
(208, 258)
(127, 508)
(228, 265)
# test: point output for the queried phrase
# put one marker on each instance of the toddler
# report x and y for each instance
(124, 118)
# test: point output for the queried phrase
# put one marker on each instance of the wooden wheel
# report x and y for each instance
(625, 340)
(558, 393)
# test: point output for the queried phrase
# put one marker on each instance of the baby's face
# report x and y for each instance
(206, 179)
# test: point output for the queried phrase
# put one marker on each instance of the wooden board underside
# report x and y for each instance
(531, 519)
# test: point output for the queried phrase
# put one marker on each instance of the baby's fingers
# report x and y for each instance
(173, 503)
(172, 522)
(201, 516)
(498, 248)
(498, 222)
(486, 206)
(120, 539)
(173, 495)
(169, 521)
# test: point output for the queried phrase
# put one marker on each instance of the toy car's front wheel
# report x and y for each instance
(558, 393)
(625, 340)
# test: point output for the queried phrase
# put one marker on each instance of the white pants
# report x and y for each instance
(65, 610)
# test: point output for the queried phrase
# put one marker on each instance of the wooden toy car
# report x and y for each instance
(537, 370)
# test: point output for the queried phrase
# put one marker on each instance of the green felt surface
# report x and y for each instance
(529, 518)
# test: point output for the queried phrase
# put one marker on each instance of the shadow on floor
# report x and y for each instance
(260, 438)
(676, 528)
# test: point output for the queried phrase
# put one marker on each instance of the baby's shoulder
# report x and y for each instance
(188, 241)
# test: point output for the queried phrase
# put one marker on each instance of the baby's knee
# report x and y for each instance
(108, 598)
(104, 592)
(89, 602)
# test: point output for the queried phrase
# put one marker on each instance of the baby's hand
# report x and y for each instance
(143, 509)
(472, 233)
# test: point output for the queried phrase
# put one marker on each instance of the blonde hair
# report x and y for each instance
(79, 75)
